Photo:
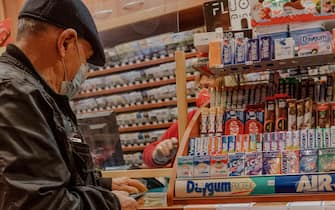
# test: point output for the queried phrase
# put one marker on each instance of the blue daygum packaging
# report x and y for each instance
(228, 51)
(253, 50)
(240, 50)
(266, 48)
(236, 164)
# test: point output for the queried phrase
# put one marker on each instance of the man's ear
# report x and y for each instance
(65, 39)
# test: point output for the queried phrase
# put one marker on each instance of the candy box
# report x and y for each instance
(253, 163)
(236, 164)
(231, 144)
(267, 141)
(284, 48)
(228, 51)
(290, 162)
(201, 166)
(326, 160)
(254, 120)
(234, 122)
(240, 50)
(224, 145)
(271, 163)
(185, 166)
(303, 139)
(266, 48)
(308, 161)
(219, 166)
(253, 50)
(314, 44)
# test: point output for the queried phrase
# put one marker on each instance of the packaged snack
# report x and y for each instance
(271, 163)
(281, 138)
(240, 50)
(254, 120)
(238, 144)
(219, 120)
(303, 139)
(284, 48)
(253, 163)
(204, 120)
(314, 44)
(201, 166)
(253, 50)
(300, 114)
(246, 143)
(322, 115)
(281, 112)
(185, 167)
(211, 124)
(266, 48)
(326, 135)
(292, 114)
(269, 115)
(273, 140)
(290, 162)
(219, 166)
(236, 164)
(197, 145)
(326, 160)
(311, 140)
(308, 161)
(319, 138)
(308, 113)
(289, 140)
(259, 142)
(228, 51)
(231, 144)
(225, 145)
(267, 142)
(253, 143)
(234, 122)
(191, 147)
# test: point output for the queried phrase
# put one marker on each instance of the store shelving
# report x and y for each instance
(144, 127)
(130, 88)
(269, 66)
(133, 148)
(135, 66)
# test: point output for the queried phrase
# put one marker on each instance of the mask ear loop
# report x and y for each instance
(80, 57)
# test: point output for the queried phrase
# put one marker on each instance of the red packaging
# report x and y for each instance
(281, 112)
(323, 115)
(234, 122)
(254, 121)
(269, 115)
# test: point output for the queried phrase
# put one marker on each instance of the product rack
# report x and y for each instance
(144, 127)
(133, 148)
(192, 130)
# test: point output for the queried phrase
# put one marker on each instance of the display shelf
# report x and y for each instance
(130, 88)
(269, 66)
(133, 148)
(142, 173)
(145, 127)
(136, 66)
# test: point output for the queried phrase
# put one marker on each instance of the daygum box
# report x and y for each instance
(266, 48)
(236, 164)
(234, 122)
(201, 166)
(219, 166)
(253, 50)
(290, 162)
(284, 48)
(315, 43)
(185, 167)
(253, 163)
(326, 160)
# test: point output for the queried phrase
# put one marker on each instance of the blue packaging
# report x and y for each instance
(308, 161)
(240, 50)
(271, 163)
(297, 33)
(253, 50)
(228, 51)
(236, 164)
(224, 144)
(266, 48)
(253, 163)
(231, 144)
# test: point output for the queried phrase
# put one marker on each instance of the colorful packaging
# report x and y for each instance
(326, 135)
(197, 145)
(254, 121)
(274, 144)
(284, 48)
(323, 115)
(225, 145)
(239, 143)
(308, 161)
(290, 162)
(266, 48)
(231, 144)
(269, 115)
(271, 163)
(204, 120)
(228, 51)
(215, 58)
(308, 117)
(252, 144)
(314, 44)
(267, 142)
(211, 120)
(185, 167)
(201, 166)
(246, 143)
(289, 140)
(218, 142)
(281, 112)
(303, 139)
(253, 163)
(326, 160)
(259, 142)
(300, 114)
(292, 114)
(311, 140)
(236, 164)
(281, 139)
(234, 122)
(240, 50)
(253, 50)
(219, 120)
(219, 166)
(191, 147)
(319, 138)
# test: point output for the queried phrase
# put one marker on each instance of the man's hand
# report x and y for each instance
(127, 203)
(165, 148)
(128, 185)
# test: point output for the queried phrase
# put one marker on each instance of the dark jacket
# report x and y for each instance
(42, 164)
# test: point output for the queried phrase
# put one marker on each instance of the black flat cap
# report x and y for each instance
(67, 14)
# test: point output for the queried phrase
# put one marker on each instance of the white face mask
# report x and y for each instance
(71, 88)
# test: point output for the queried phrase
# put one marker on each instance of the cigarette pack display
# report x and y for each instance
(300, 114)
(292, 115)
(290, 162)
(269, 115)
(231, 144)
(240, 50)
(314, 43)
(254, 120)
(201, 166)
(326, 160)
(284, 48)
(228, 51)
(236, 164)
(234, 122)
(303, 139)
(323, 115)
(219, 166)
(281, 112)
(253, 50)
(271, 163)
(253, 163)
(185, 166)
(308, 161)
(266, 48)
(326, 135)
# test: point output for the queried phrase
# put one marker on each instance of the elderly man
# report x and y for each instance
(44, 162)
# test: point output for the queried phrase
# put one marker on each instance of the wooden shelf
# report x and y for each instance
(133, 148)
(135, 66)
(269, 66)
(141, 173)
(130, 88)
(144, 127)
